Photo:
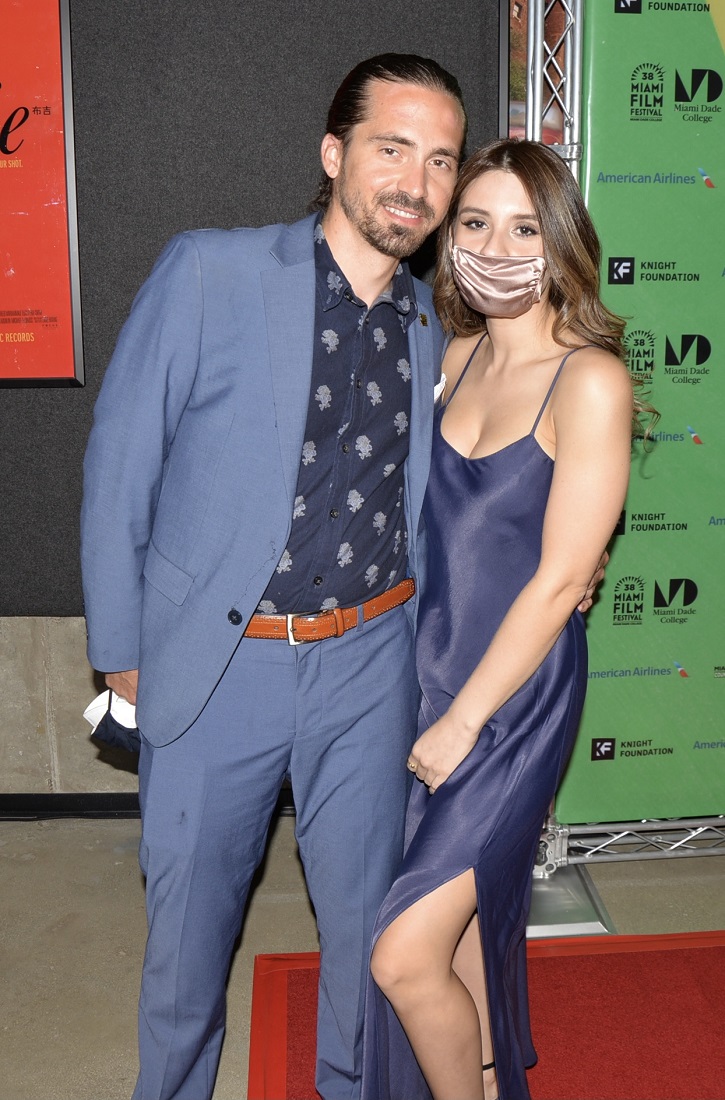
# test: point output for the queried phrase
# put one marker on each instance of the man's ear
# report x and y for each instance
(331, 154)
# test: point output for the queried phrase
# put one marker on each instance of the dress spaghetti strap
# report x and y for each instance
(554, 380)
(463, 372)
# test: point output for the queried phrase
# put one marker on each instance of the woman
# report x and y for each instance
(529, 472)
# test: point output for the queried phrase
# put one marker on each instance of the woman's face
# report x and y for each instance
(496, 218)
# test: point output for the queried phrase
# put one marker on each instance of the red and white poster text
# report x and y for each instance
(39, 328)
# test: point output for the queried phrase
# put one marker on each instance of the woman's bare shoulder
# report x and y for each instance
(592, 375)
(591, 367)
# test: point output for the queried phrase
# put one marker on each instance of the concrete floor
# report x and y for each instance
(72, 920)
(72, 924)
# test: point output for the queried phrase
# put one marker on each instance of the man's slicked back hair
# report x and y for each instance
(350, 103)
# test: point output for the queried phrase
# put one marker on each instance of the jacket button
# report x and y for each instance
(235, 617)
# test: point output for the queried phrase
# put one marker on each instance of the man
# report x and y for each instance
(260, 449)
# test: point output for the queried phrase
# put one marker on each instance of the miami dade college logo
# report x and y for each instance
(621, 270)
(647, 93)
(673, 601)
(603, 748)
(675, 357)
(693, 347)
(696, 95)
(627, 7)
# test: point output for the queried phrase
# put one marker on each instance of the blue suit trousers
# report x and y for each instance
(338, 717)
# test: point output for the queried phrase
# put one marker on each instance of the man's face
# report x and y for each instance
(394, 179)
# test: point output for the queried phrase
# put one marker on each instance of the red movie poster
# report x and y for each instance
(39, 294)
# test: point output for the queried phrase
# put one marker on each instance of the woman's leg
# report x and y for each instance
(412, 964)
(468, 963)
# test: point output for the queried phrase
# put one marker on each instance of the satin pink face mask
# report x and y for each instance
(497, 286)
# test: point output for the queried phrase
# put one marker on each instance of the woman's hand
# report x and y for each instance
(439, 751)
(594, 583)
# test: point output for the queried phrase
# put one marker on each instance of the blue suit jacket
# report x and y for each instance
(192, 463)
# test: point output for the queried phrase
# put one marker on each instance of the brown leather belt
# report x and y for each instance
(327, 624)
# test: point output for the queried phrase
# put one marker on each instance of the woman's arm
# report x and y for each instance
(591, 415)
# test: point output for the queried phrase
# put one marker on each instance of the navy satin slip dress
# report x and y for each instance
(484, 519)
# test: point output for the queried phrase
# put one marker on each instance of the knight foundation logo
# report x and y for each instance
(647, 93)
(625, 270)
(604, 748)
(663, 7)
(649, 522)
(628, 607)
(621, 270)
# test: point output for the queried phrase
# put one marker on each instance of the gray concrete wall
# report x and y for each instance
(45, 685)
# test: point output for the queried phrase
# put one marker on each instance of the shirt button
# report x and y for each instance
(345, 448)
(235, 617)
(358, 383)
(317, 581)
(334, 513)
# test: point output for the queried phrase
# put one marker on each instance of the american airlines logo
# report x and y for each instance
(621, 269)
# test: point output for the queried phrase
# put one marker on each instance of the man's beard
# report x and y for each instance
(392, 239)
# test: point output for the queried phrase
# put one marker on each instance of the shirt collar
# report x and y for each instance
(333, 285)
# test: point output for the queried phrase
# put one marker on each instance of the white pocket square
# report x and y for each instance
(121, 710)
(439, 389)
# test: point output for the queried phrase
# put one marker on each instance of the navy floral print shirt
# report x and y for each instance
(348, 540)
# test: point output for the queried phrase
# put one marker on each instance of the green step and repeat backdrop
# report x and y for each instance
(652, 741)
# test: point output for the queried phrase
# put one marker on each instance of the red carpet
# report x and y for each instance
(614, 1018)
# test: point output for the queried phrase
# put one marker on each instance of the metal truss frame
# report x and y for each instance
(554, 75)
(614, 842)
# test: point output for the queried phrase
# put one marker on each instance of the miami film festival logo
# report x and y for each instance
(628, 608)
(673, 600)
(685, 358)
(647, 93)
(640, 347)
(697, 92)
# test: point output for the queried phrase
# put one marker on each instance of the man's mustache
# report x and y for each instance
(404, 201)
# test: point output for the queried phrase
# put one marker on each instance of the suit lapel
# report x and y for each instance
(289, 305)
(424, 373)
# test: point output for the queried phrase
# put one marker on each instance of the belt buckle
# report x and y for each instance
(290, 633)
